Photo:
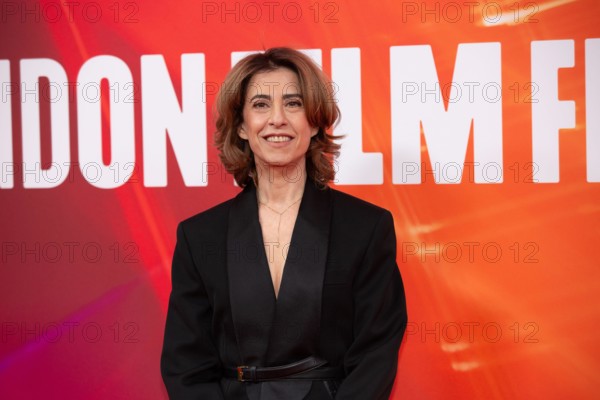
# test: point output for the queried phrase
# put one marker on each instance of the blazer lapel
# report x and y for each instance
(297, 320)
(272, 331)
(250, 289)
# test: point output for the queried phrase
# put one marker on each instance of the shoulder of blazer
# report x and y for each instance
(355, 207)
(210, 220)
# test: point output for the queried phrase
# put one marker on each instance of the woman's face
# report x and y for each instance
(275, 123)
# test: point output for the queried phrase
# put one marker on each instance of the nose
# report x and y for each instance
(277, 117)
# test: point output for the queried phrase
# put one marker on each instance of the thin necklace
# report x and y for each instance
(280, 214)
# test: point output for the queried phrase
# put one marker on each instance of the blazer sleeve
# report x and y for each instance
(380, 319)
(190, 365)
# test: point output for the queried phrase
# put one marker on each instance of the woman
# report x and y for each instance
(290, 290)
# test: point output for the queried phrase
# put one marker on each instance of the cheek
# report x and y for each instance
(255, 123)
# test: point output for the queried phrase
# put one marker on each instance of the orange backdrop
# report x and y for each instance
(500, 277)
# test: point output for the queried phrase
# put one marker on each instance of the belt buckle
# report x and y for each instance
(240, 373)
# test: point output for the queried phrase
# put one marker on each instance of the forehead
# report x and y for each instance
(278, 81)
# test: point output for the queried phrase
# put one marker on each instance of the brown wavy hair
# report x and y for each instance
(320, 106)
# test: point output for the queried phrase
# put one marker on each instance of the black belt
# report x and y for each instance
(308, 369)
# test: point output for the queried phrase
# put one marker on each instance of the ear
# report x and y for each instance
(314, 131)
(242, 132)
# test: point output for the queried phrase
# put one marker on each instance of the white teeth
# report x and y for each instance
(278, 139)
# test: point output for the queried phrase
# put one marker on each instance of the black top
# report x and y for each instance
(341, 298)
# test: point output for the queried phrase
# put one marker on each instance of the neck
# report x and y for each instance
(280, 186)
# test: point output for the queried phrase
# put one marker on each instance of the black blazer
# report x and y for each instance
(341, 298)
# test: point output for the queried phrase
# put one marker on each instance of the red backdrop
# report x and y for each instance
(500, 274)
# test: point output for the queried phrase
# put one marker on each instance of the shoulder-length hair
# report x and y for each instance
(319, 104)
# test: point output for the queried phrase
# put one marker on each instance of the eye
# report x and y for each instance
(294, 103)
(260, 104)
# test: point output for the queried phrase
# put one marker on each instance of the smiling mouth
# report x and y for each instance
(278, 139)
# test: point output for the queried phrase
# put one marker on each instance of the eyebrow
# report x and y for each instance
(267, 97)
